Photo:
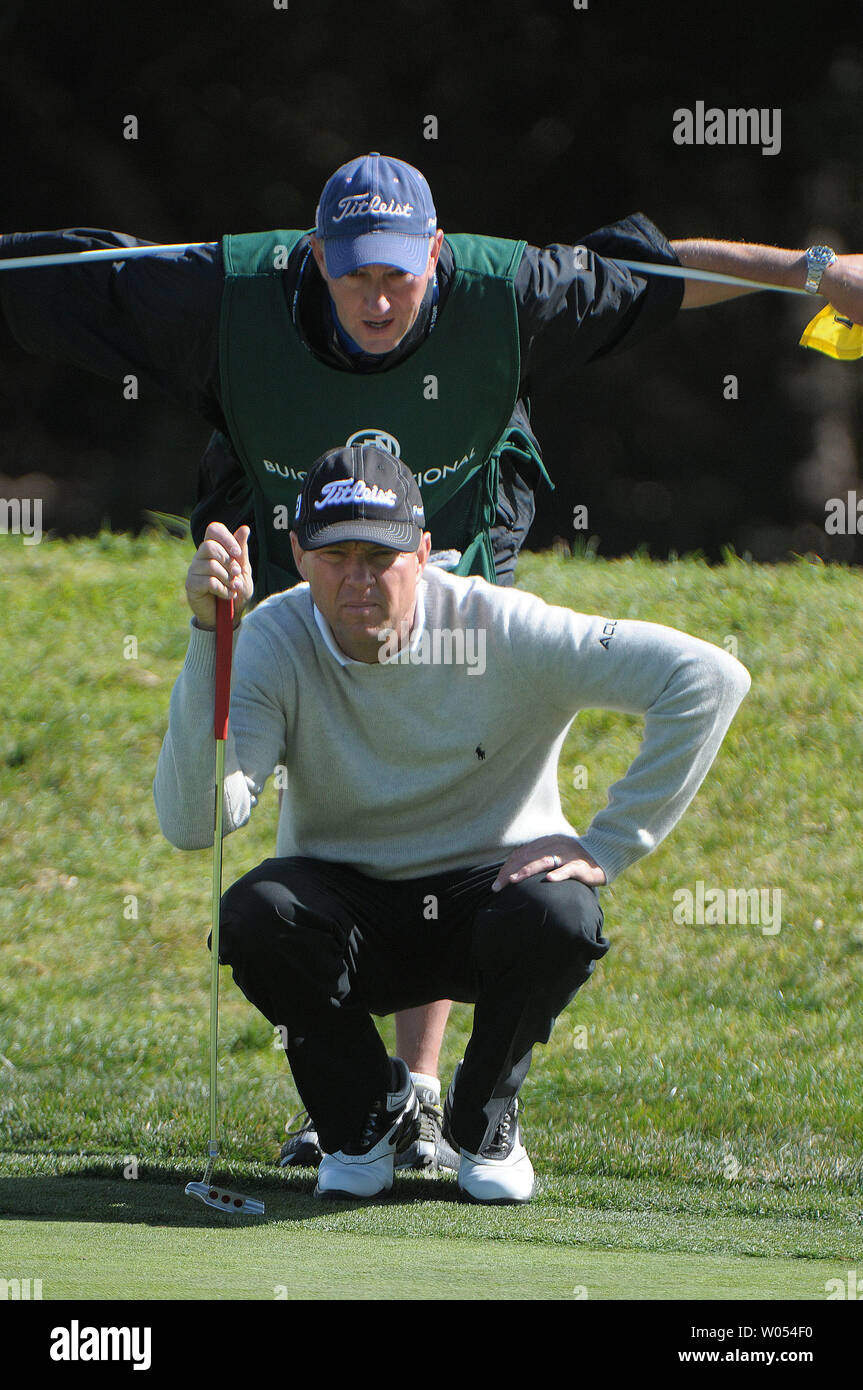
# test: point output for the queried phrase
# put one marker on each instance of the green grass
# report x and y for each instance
(300, 1252)
(704, 1093)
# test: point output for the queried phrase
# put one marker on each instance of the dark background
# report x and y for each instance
(552, 121)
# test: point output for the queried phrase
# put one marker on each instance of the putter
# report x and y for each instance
(220, 1198)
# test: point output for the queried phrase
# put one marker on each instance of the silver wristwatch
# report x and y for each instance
(818, 258)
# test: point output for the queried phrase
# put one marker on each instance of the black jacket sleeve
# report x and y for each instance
(576, 305)
(156, 317)
(224, 492)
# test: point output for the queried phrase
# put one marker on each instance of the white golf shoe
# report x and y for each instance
(495, 1177)
(501, 1173)
(365, 1168)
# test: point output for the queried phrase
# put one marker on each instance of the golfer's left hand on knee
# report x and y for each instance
(559, 857)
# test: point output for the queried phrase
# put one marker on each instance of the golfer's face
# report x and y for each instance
(378, 304)
(363, 590)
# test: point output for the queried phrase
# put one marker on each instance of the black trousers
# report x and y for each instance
(318, 948)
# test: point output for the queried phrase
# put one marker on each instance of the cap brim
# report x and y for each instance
(345, 254)
(402, 536)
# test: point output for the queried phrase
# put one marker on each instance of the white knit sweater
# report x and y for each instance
(421, 765)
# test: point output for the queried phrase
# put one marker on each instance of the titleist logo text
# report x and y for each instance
(358, 205)
(347, 490)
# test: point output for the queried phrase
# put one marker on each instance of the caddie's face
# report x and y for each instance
(364, 591)
(378, 304)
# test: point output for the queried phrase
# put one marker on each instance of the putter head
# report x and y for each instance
(221, 1199)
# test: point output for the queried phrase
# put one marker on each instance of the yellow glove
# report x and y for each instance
(832, 333)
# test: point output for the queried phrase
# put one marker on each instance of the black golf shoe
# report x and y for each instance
(301, 1148)
(430, 1150)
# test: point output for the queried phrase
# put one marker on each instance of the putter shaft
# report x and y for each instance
(220, 1198)
(214, 948)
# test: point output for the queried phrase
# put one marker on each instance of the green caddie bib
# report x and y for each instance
(445, 410)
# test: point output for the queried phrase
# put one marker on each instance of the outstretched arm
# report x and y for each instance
(841, 283)
(156, 317)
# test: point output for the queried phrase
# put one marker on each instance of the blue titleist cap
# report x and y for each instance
(376, 211)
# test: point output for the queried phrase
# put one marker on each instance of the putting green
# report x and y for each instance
(285, 1260)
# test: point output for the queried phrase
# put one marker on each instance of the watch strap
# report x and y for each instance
(818, 258)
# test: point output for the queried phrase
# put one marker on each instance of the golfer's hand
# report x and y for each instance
(220, 569)
(539, 857)
(842, 285)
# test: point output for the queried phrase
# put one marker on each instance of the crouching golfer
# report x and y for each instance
(420, 718)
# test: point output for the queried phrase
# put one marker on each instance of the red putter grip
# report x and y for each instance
(224, 653)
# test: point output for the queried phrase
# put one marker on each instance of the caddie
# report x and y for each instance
(388, 810)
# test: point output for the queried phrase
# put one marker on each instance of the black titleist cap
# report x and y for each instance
(359, 493)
